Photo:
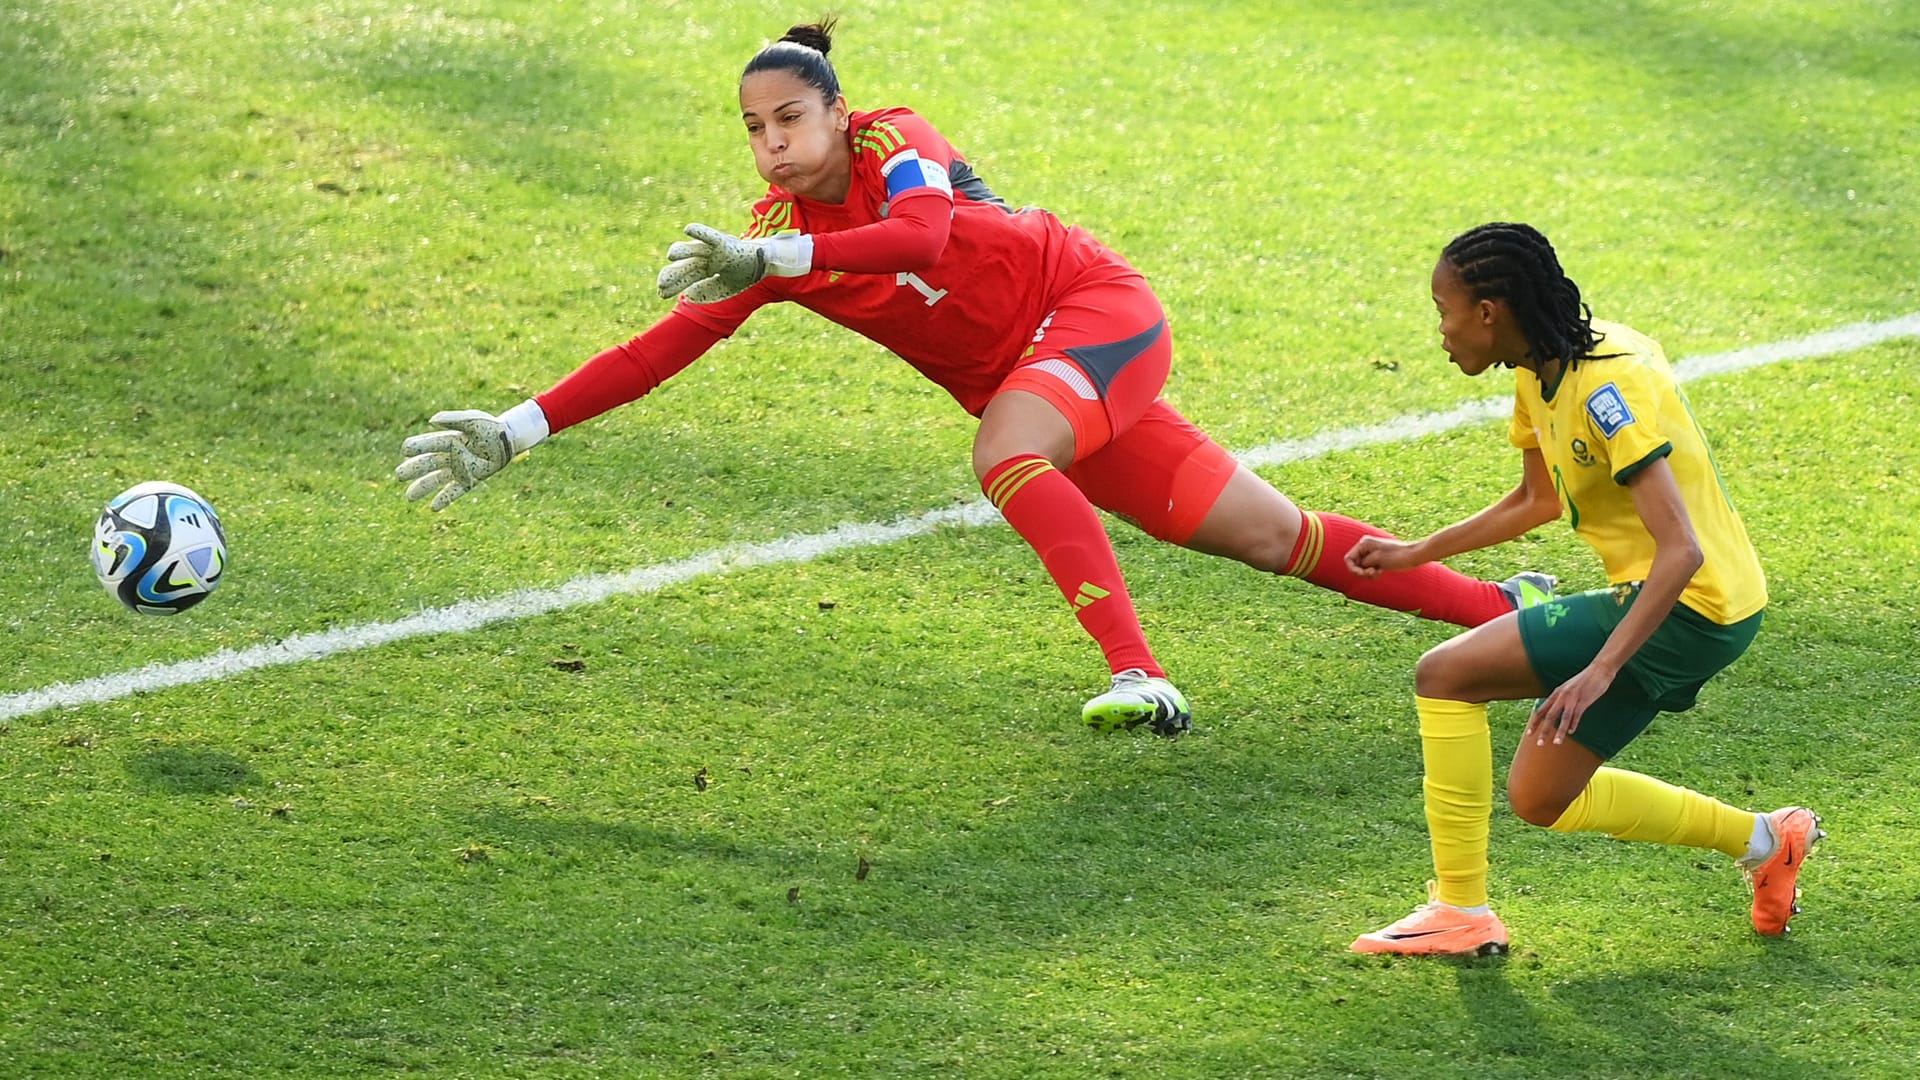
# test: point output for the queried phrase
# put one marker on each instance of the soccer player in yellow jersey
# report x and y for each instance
(1607, 438)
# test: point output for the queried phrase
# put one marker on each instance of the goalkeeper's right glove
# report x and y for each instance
(714, 265)
(469, 447)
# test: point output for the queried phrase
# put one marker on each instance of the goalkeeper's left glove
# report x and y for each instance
(469, 447)
(714, 266)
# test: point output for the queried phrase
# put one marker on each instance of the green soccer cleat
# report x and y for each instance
(1139, 698)
(1528, 588)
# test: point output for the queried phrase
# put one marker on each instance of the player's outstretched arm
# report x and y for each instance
(467, 447)
(1532, 503)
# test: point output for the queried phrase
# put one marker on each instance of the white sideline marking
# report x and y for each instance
(473, 614)
(1420, 425)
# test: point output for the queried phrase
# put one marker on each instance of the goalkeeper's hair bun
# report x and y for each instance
(802, 51)
(816, 36)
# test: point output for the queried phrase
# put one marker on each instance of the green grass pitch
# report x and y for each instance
(837, 817)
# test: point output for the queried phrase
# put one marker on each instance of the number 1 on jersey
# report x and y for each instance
(933, 296)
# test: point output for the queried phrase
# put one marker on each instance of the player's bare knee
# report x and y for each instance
(1535, 807)
(1241, 531)
(981, 466)
(1439, 674)
(991, 451)
(1267, 551)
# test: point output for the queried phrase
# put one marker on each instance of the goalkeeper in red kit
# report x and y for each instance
(1053, 341)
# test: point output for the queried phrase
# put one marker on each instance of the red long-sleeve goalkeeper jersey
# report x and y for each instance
(963, 321)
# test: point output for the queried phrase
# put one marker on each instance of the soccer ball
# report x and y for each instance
(158, 548)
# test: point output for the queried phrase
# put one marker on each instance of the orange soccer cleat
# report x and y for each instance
(1776, 879)
(1437, 929)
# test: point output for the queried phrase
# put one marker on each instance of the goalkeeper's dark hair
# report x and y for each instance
(802, 51)
(1507, 261)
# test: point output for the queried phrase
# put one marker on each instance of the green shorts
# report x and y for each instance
(1563, 636)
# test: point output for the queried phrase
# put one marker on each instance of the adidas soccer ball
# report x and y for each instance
(158, 548)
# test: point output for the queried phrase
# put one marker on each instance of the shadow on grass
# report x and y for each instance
(190, 770)
(1673, 1019)
(1164, 877)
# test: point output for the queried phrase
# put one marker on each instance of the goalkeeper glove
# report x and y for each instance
(469, 447)
(714, 266)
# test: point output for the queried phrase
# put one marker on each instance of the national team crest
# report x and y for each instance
(1582, 453)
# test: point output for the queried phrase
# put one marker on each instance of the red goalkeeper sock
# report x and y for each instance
(1431, 591)
(1046, 509)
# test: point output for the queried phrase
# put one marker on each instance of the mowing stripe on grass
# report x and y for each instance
(472, 614)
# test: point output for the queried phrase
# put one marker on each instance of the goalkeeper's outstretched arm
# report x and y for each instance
(468, 445)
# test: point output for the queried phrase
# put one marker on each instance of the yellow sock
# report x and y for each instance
(1630, 806)
(1458, 750)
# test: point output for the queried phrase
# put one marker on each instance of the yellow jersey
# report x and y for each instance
(1606, 418)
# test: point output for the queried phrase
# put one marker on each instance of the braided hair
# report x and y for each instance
(803, 51)
(1515, 263)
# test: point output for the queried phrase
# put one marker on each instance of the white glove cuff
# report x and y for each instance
(789, 255)
(526, 425)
